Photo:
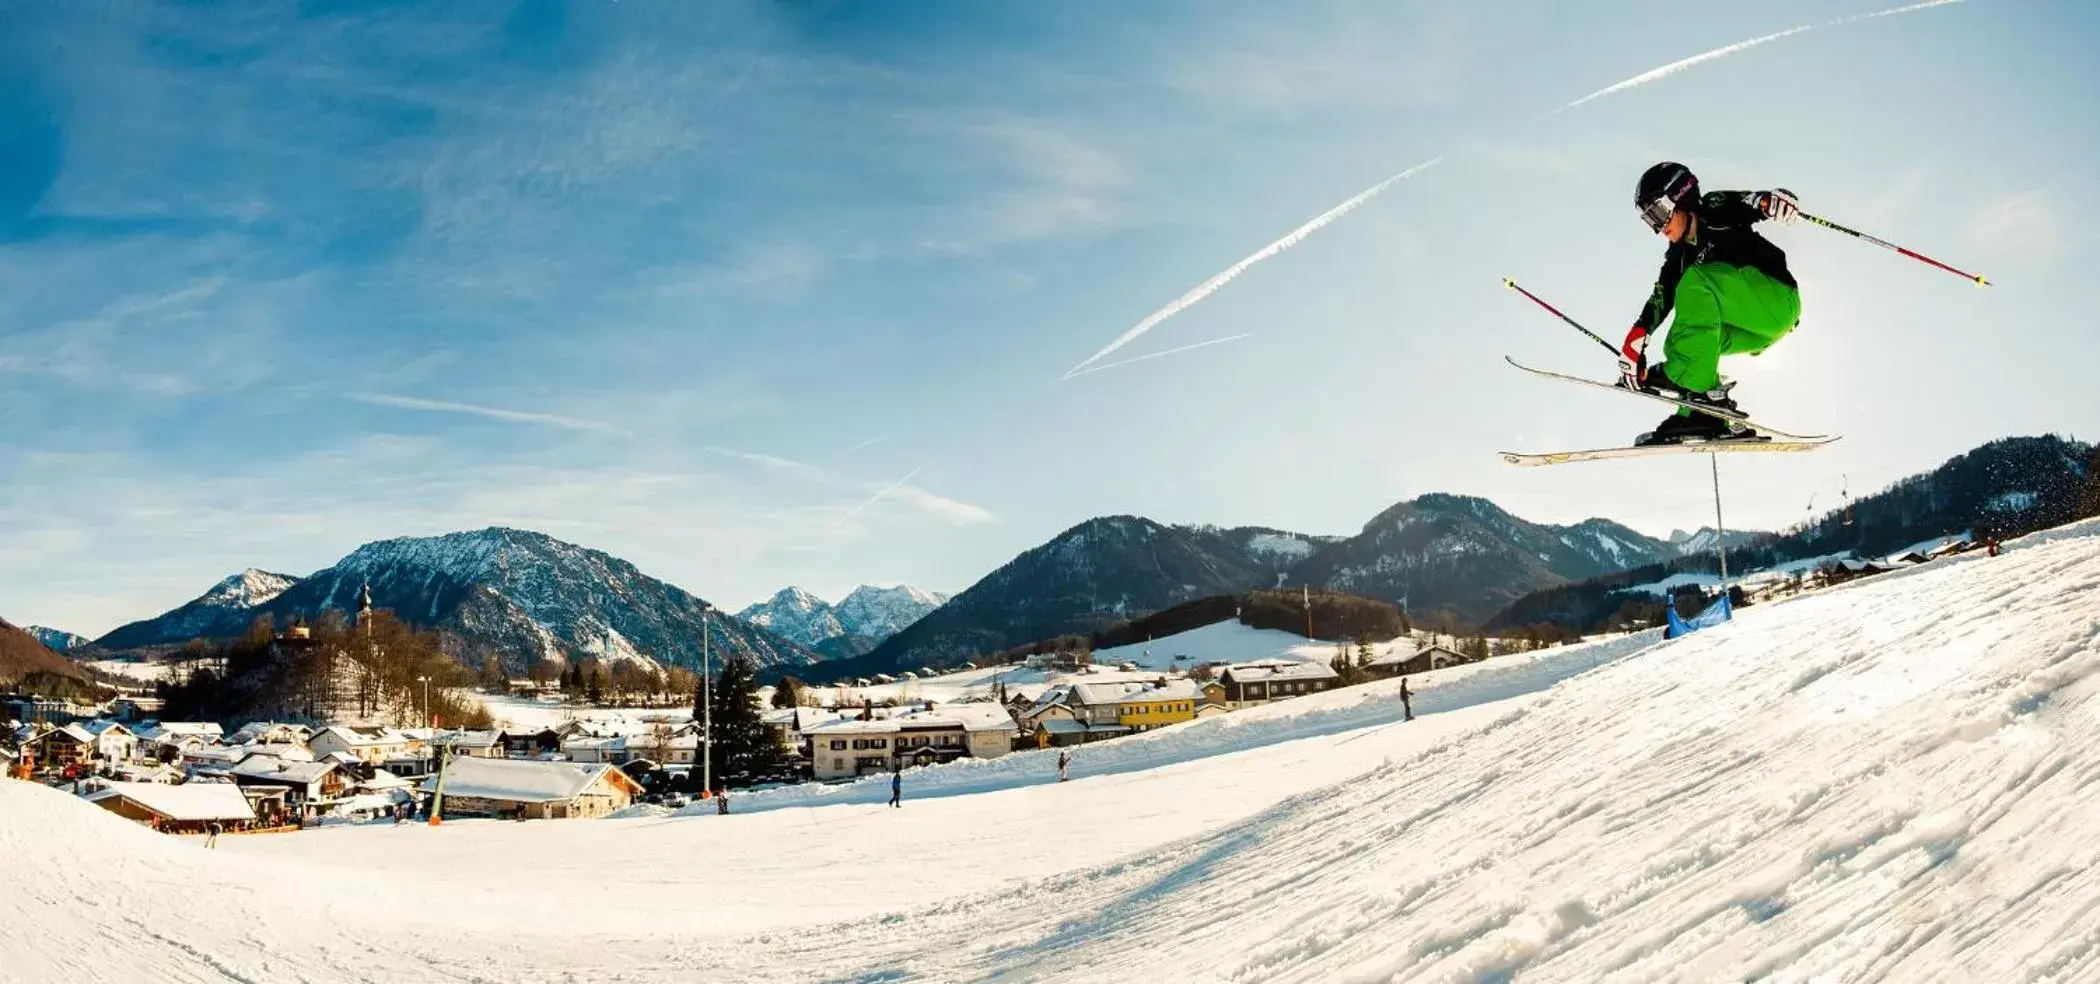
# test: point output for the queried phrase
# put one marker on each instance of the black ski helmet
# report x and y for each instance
(1662, 190)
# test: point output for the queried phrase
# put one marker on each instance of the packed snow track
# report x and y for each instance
(1896, 780)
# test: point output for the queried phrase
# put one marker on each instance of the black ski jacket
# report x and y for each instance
(1722, 234)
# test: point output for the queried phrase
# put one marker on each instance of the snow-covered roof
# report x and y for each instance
(276, 769)
(468, 739)
(520, 781)
(381, 779)
(1280, 670)
(1396, 655)
(965, 717)
(358, 736)
(77, 733)
(99, 728)
(190, 801)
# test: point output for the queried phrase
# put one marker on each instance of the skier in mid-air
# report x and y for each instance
(1730, 289)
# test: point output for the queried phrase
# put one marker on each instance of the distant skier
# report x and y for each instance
(1407, 703)
(211, 834)
(1730, 288)
(1064, 765)
(897, 789)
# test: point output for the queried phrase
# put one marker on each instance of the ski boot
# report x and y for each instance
(1657, 382)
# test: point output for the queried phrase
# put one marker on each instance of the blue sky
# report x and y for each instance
(765, 293)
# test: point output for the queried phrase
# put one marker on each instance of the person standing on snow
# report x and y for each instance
(1407, 703)
(1729, 286)
(211, 834)
(897, 788)
(1064, 765)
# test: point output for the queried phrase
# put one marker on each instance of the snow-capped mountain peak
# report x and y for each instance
(56, 639)
(797, 615)
(884, 612)
(869, 613)
(247, 589)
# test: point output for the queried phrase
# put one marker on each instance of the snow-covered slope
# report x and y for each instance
(58, 639)
(224, 610)
(1887, 781)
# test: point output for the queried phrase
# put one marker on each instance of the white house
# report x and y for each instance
(531, 790)
(921, 736)
(370, 745)
(113, 741)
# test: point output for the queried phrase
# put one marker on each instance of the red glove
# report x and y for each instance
(1633, 356)
(1779, 205)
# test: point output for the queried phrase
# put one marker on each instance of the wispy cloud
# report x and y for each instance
(770, 461)
(2026, 224)
(1209, 287)
(870, 442)
(1158, 355)
(491, 413)
(958, 513)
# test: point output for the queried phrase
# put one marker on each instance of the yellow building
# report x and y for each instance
(1158, 706)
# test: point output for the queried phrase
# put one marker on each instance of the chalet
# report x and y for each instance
(1396, 663)
(310, 786)
(531, 790)
(69, 749)
(371, 745)
(1248, 684)
(113, 741)
(922, 736)
(185, 809)
(269, 733)
(529, 744)
(479, 744)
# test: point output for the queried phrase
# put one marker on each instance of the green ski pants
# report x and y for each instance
(1724, 310)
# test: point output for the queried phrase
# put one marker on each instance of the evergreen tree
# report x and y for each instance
(1364, 654)
(2089, 501)
(788, 693)
(493, 678)
(746, 750)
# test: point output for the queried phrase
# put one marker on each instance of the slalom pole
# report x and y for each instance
(1885, 244)
(1572, 323)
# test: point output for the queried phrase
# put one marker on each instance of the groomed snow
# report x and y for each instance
(1888, 781)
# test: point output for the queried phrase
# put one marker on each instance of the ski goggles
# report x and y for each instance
(1657, 213)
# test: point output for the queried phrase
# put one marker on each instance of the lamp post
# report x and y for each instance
(707, 709)
(426, 700)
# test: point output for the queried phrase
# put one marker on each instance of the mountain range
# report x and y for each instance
(519, 595)
(857, 624)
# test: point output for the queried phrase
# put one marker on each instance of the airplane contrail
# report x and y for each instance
(1892, 11)
(1678, 66)
(878, 497)
(1722, 52)
(1208, 287)
(1157, 355)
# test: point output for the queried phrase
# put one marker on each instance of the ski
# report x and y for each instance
(1709, 411)
(1654, 450)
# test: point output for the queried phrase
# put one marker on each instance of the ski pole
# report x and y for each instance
(1885, 244)
(1608, 347)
